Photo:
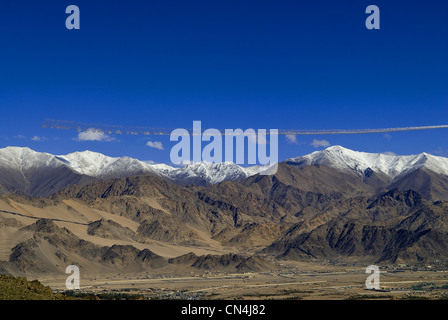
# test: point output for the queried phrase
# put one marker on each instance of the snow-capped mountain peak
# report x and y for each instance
(87, 162)
(25, 158)
(217, 172)
(354, 161)
(205, 171)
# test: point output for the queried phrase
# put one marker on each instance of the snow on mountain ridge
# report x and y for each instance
(355, 161)
(100, 166)
(217, 172)
(88, 162)
(25, 158)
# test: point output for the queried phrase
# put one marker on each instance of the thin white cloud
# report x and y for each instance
(93, 135)
(387, 136)
(20, 136)
(64, 124)
(389, 153)
(291, 138)
(320, 143)
(37, 138)
(155, 144)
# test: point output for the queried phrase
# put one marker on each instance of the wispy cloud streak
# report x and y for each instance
(117, 129)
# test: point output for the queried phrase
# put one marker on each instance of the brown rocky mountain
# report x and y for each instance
(430, 185)
(227, 262)
(51, 248)
(38, 181)
(111, 230)
(395, 227)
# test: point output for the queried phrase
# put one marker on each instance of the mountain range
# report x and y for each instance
(123, 215)
(41, 174)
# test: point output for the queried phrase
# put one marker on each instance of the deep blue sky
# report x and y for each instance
(229, 63)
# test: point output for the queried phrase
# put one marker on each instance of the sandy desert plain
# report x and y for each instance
(297, 281)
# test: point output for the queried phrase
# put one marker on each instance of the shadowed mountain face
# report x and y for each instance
(39, 182)
(430, 185)
(395, 227)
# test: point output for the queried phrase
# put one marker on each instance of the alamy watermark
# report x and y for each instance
(373, 281)
(72, 22)
(230, 148)
(73, 280)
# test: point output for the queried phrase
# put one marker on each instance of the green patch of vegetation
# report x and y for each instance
(412, 297)
(19, 288)
(423, 286)
(104, 296)
(13, 288)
